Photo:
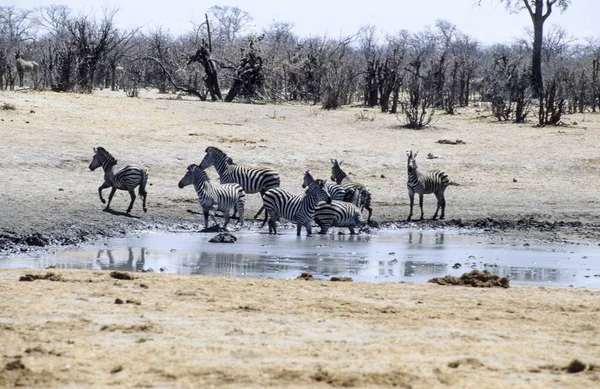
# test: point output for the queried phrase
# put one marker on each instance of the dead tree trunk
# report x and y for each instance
(211, 79)
(248, 75)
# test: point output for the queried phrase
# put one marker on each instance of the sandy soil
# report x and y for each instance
(181, 331)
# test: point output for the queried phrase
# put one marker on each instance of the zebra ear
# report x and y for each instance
(340, 163)
(416, 152)
(95, 150)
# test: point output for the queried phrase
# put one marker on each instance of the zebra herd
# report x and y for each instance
(338, 203)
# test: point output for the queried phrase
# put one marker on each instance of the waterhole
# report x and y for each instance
(384, 256)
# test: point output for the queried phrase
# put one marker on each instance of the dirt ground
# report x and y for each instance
(178, 331)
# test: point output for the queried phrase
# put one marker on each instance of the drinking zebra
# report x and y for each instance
(214, 197)
(356, 193)
(252, 180)
(434, 181)
(336, 192)
(299, 209)
(338, 214)
(119, 177)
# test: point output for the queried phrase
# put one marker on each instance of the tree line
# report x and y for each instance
(411, 74)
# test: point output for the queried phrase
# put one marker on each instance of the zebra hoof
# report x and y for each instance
(145, 209)
(103, 201)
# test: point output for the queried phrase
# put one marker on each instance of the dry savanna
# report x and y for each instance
(82, 328)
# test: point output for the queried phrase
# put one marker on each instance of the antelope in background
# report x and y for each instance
(23, 67)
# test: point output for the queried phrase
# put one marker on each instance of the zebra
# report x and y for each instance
(336, 192)
(338, 214)
(119, 177)
(299, 209)
(252, 180)
(23, 67)
(213, 197)
(356, 193)
(434, 181)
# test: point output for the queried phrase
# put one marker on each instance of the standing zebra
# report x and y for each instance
(434, 181)
(336, 192)
(24, 67)
(299, 209)
(215, 197)
(338, 214)
(119, 177)
(252, 180)
(356, 193)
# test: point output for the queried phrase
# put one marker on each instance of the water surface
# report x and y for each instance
(392, 256)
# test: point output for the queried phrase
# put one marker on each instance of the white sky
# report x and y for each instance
(488, 23)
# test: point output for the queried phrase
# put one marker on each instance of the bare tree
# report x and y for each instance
(16, 34)
(539, 11)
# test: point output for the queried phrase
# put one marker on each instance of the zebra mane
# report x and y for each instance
(195, 169)
(102, 151)
(216, 150)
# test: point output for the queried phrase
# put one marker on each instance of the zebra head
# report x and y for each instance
(194, 175)
(308, 179)
(337, 174)
(101, 157)
(319, 190)
(412, 161)
(213, 156)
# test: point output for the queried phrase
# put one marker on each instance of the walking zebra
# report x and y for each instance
(119, 177)
(213, 197)
(356, 193)
(252, 180)
(434, 181)
(336, 192)
(299, 209)
(338, 214)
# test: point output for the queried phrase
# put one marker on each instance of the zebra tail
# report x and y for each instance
(453, 183)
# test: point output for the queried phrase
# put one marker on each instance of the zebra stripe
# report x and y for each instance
(213, 197)
(336, 192)
(433, 181)
(298, 209)
(119, 177)
(338, 214)
(252, 180)
(355, 193)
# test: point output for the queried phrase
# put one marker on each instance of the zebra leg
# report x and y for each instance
(272, 226)
(110, 196)
(368, 208)
(351, 228)
(100, 189)
(259, 212)
(262, 208)
(205, 212)
(131, 194)
(226, 217)
(442, 204)
(421, 204)
(239, 208)
(411, 195)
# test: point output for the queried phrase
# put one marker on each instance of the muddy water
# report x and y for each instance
(393, 256)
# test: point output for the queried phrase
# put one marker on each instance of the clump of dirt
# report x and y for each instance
(452, 142)
(475, 278)
(15, 365)
(575, 366)
(223, 237)
(341, 279)
(48, 276)
(306, 276)
(121, 275)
